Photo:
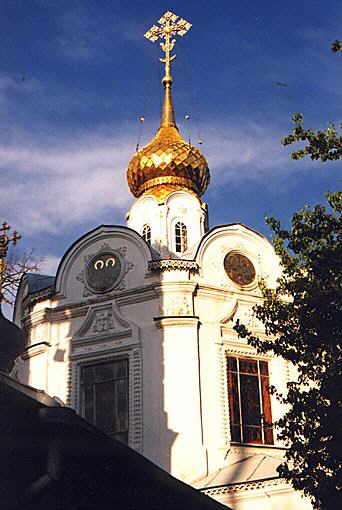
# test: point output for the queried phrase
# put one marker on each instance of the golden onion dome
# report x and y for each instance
(168, 163)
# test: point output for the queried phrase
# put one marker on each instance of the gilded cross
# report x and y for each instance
(169, 26)
(5, 239)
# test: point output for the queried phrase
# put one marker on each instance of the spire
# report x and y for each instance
(168, 114)
(168, 163)
(168, 28)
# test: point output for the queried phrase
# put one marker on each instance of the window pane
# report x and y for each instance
(235, 431)
(248, 366)
(266, 404)
(181, 240)
(250, 400)
(120, 369)
(121, 408)
(263, 367)
(146, 233)
(105, 397)
(232, 364)
(103, 372)
(252, 434)
(87, 375)
(233, 398)
(105, 406)
(87, 402)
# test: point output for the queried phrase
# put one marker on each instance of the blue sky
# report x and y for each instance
(75, 76)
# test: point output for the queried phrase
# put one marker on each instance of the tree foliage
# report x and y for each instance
(302, 318)
(303, 324)
(322, 145)
(336, 46)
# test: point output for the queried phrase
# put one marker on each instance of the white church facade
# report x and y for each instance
(136, 334)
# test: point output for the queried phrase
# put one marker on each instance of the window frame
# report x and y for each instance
(180, 237)
(267, 436)
(107, 350)
(146, 233)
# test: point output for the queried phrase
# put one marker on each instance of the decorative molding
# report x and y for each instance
(224, 433)
(38, 296)
(227, 317)
(53, 315)
(135, 383)
(35, 349)
(216, 292)
(104, 321)
(243, 349)
(179, 320)
(69, 383)
(120, 282)
(244, 486)
(173, 265)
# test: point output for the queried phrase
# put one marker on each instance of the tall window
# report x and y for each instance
(146, 233)
(249, 401)
(181, 237)
(104, 397)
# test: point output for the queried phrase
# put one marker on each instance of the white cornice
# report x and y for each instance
(179, 320)
(34, 350)
(245, 486)
(211, 291)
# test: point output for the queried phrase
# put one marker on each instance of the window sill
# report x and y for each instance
(258, 445)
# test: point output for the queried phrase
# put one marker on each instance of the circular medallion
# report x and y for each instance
(239, 268)
(103, 271)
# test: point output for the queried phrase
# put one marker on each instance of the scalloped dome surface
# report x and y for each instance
(168, 160)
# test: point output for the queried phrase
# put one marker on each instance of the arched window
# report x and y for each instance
(146, 233)
(181, 237)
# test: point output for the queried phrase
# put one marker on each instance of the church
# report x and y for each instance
(135, 331)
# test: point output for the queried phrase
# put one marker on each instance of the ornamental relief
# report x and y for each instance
(103, 321)
(105, 270)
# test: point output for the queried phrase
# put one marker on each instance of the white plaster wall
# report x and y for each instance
(179, 206)
(182, 397)
(218, 303)
(183, 411)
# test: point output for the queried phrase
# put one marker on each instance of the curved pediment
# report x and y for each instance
(106, 260)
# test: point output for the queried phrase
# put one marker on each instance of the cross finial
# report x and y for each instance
(169, 26)
(5, 239)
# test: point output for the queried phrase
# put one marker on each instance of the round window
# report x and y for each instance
(103, 272)
(239, 268)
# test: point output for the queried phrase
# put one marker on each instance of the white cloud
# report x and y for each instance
(49, 189)
(49, 264)
(245, 153)
(53, 188)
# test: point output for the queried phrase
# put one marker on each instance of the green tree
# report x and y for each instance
(336, 46)
(303, 324)
(302, 318)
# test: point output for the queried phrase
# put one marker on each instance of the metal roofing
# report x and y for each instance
(37, 282)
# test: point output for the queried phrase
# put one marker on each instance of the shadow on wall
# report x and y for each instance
(81, 370)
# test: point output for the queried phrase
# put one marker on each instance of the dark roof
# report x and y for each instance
(37, 282)
(58, 460)
(12, 342)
